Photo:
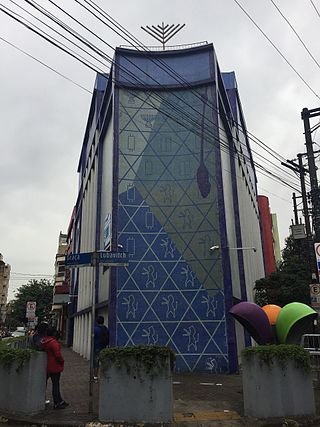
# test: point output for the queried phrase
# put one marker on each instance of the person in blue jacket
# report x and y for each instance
(101, 341)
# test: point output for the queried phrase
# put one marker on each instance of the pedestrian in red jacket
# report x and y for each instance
(55, 365)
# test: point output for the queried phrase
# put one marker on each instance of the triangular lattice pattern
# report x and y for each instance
(171, 293)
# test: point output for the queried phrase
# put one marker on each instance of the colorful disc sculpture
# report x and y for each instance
(272, 323)
(254, 320)
(272, 311)
(294, 320)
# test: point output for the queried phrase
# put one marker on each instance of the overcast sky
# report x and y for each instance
(43, 115)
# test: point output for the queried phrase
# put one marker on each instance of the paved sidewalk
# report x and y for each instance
(199, 400)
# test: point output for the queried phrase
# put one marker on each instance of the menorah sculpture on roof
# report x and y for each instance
(163, 33)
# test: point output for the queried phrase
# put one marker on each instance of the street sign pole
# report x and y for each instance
(93, 313)
(94, 259)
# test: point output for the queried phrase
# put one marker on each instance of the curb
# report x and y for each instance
(194, 421)
(298, 421)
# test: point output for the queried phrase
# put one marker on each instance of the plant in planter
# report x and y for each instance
(277, 381)
(140, 376)
(22, 380)
(17, 357)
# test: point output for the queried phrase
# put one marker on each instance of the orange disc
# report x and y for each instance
(272, 311)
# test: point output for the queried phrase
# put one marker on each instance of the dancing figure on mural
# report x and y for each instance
(212, 365)
(151, 335)
(172, 306)
(212, 305)
(187, 217)
(167, 191)
(193, 337)
(168, 247)
(189, 281)
(132, 306)
(151, 276)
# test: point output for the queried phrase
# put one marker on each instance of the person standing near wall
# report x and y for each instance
(55, 365)
(101, 341)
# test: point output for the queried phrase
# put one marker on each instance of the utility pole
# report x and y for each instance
(302, 172)
(94, 264)
(305, 116)
(295, 210)
(299, 168)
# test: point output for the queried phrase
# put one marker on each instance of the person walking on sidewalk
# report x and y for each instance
(55, 365)
(39, 333)
(101, 341)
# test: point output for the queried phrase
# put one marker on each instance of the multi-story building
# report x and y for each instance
(276, 238)
(166, 173)
(61, 288)
(267, 235)
(4, 285)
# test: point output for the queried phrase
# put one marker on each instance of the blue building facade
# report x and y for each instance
(167, 189)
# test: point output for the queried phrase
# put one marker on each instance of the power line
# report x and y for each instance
(90, 45)
(31, 274)
(114, 22)
(16, 279)
(57, 32)
(43, 10)
(277, 49)
(45, 37)
(250, 159)
(296, 33)
(45, 65)
(314, 6)
(270, 151)
(165, 67)
(276, 195)
(132, 37)
(52, 17)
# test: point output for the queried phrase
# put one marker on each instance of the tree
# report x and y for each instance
(290, 283)
(40, 291)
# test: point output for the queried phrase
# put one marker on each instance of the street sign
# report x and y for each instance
(113, 258)
(317, 252)
(107, 231)
(78, 260)
(315, 296)
(315, 289)
(31, 305)
(298, 231)
(31, 309)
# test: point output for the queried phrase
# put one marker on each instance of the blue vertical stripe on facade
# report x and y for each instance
(228, 293)
(112, 312)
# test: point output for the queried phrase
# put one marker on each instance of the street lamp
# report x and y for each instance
(248, 248)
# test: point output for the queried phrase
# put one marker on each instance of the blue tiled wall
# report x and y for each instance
(172, 291)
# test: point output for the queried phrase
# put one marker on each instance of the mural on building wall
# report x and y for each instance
(172, 291)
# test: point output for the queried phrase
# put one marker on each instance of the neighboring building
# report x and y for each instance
(170, 180)
(276, 238)
(61, 288)
(72, 304)
(4, 285)
(267, 235)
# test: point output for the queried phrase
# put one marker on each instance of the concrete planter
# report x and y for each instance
(23, 392)
(270, 391)
(129, 394)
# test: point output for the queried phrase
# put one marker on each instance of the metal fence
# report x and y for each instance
(311, 342)
(24, 342)
(160, 48)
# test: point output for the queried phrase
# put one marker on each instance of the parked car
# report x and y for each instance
(18, 333)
